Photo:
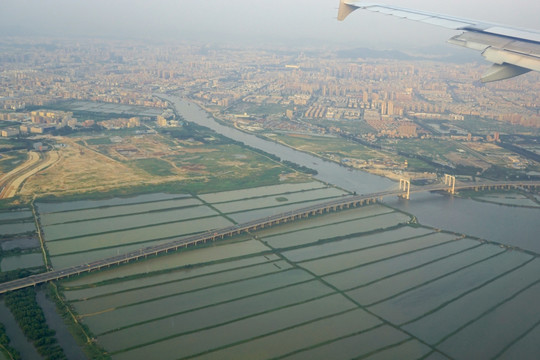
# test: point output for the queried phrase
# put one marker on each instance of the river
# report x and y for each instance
(329, 172)
(516, 226)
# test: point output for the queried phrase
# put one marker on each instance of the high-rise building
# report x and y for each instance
(390, 108)
(365, 97)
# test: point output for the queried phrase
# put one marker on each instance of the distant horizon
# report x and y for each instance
(436, 52)
(248, 22)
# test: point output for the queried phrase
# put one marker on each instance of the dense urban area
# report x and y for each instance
(406, 113)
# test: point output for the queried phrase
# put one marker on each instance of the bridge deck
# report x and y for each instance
(212, 235)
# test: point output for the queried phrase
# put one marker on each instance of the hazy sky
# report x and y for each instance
(239, 21)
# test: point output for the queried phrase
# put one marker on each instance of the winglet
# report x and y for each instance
(502, 72)
(344, 10)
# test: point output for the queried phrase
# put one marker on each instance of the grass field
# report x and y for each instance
(11, 160)
(155, 167)
(478, 125)
(99, 141)
(323, 145)
(153, 163)
(357, 127)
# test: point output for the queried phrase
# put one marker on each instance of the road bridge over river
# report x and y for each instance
(344, 202)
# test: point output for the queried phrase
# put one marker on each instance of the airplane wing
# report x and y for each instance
(513, 51)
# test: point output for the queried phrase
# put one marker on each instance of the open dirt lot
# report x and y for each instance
(79, 169)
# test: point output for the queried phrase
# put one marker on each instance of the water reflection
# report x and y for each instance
(514, 226)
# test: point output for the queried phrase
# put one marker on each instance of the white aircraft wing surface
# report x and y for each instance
(513, 51)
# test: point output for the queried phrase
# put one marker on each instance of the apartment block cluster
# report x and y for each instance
(334, 89)
(280, 89)
(36, 122)
(121, 123)
(35, 76)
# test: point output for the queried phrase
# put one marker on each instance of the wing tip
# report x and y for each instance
(344, 10)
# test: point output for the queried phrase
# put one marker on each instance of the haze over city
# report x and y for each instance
(289, 22)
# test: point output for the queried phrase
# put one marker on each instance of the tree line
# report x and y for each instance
(31, 320)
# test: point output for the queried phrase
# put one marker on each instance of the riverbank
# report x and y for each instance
(349, 179)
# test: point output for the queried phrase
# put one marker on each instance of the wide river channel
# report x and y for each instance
(516, 226)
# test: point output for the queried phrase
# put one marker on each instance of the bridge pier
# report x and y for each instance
(450, 180)
(405, 185)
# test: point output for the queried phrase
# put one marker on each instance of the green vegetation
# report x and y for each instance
(192, 131)
(27, 233)
(431, 155)
(99, 141)
(15, 274)
(270, 176)
(31, 319)
(5, 124)
(330, 145)
(68, 131)
(263, 153)
(14, 144)
(79, 331)
(356, 127)
(467, 170)
(266, 177)
(156, 167)
(420, 165)
(80, 115)
(300, 168)
(521, 151)
(290, 164)
(5, 348)
(482, 196)
(12, 160)
(479, 125)
(496, 172)
(206, 161)
(13, 203)
(339, 148)
(429, 147)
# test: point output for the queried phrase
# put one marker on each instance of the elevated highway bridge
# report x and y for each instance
(344, 202)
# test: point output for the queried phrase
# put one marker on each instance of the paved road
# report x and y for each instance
(7, 180)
